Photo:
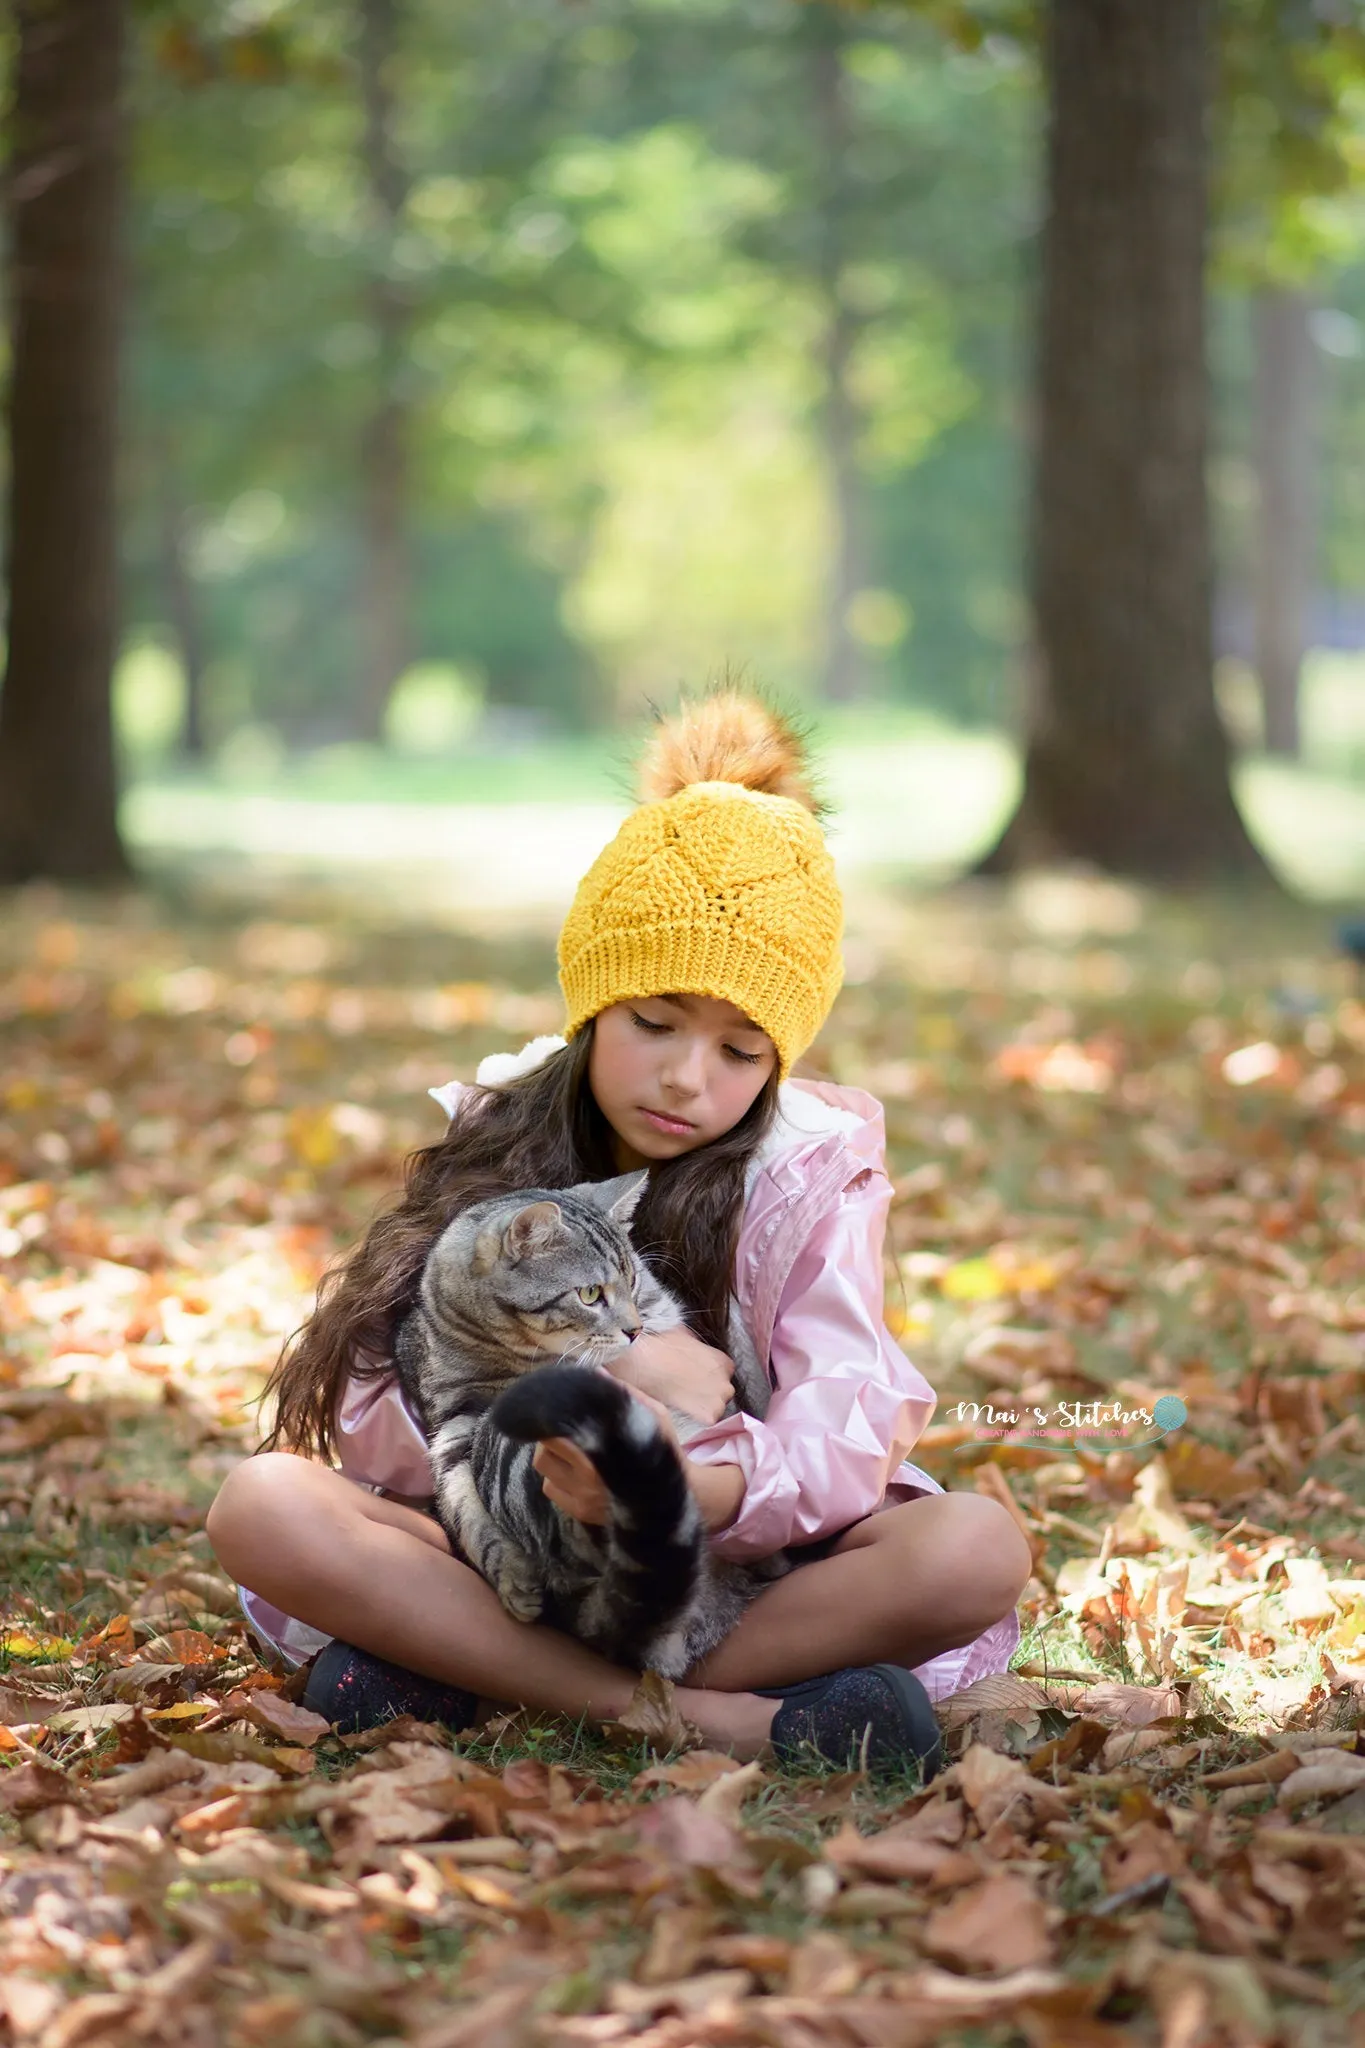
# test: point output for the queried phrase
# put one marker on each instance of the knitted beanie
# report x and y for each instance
(719, 884)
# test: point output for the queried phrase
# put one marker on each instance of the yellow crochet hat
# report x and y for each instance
(719, 884)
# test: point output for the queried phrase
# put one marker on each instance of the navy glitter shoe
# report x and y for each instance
(880, 1712)
(354, 1691)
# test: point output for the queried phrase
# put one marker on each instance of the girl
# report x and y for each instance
(699, 959)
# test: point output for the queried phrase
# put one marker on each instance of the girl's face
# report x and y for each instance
(670, 1073)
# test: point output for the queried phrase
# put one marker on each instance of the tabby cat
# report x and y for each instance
(542, 1276)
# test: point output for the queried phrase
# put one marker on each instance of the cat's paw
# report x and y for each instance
(520, 1595)
(515, 1581)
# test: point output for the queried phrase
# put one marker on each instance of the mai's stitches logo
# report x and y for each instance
(1072, 1419)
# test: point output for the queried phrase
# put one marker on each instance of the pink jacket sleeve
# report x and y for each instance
(847, 1404)
(378, 1443)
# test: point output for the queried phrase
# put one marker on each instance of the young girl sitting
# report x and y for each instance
(699, 959)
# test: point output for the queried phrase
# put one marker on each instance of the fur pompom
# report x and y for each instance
(496, 1069)
(727, 737)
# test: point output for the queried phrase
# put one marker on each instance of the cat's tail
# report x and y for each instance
(658, 1536)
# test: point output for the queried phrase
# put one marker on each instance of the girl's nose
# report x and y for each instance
(686, 1071)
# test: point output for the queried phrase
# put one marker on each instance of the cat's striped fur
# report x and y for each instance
(521, 1298)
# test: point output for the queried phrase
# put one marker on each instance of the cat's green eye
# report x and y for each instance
(589, 1296)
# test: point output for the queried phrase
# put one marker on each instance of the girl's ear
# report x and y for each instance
(533, 1229)
(619, 1197)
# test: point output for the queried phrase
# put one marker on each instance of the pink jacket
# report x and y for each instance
(846, 1403)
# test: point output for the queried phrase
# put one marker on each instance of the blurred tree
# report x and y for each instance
(65, 193)
(386, 594)
(1288, 156)
(1286, 387)
(903, 199)
(843, 657)
(1126, 760)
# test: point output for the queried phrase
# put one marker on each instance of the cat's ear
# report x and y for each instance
(533, 1229)
(620, 1198)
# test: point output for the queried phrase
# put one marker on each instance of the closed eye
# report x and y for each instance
(589, 1296)
(748, 1059)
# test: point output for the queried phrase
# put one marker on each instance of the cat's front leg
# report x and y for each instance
(514, 1577)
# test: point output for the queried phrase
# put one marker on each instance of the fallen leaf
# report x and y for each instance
(1130, 1706)
(680, 1830)
(998, 1925)
(653, 1718)
(691, 1773)
(1325, 1780)
(29, 1787)
(275, 1716)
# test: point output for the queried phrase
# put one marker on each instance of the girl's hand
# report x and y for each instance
(677, 1368)
(572, 1482)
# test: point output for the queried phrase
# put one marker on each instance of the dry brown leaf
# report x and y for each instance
(653, 1718)
(29, 1787)
(892, 1854)
(691, 1996)
(681, 1831)
(29, 2004)
(676, 1938)
(691, 1773)
(267, 1711)
(182, 1646)
(823, 1966)
(999, 1925)
(1326, 1779)
(726, 1794)
(1131, 1706)
(1152, 1519)
(991, 1783)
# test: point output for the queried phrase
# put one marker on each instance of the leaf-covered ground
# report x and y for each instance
(1128, 1146)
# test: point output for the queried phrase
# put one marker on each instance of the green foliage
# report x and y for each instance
(624, 236)
(1291, 154)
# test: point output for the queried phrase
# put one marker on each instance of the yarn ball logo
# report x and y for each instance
(1169, 1412)
(1071, 1421)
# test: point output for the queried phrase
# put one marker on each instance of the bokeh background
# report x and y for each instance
(489, 375)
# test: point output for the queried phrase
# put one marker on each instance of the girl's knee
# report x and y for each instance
(997, 1561)
(252, 1501)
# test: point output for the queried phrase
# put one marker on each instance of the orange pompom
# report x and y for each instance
(728, 737)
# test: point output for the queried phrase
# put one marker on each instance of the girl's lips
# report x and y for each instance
(675, 1126)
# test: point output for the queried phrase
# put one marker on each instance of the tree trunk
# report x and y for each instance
(844, 666)
(385, 576)
(1286, 454)
(1126, 761)
(58, 798)
(182, 606)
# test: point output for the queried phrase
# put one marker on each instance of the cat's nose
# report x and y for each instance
(632, 1331)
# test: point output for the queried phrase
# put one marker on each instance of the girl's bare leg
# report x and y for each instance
(379, 1575)
(898, 1588)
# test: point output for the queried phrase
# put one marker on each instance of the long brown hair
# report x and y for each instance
(541, 1130)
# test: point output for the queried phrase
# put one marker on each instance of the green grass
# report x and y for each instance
(906, 795)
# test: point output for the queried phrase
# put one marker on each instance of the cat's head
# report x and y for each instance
(544, 1275)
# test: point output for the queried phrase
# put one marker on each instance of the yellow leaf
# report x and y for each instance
(1349, 1629)
(903, 1322)
(994, 1275)
(184, 1710)
(937, 1032)
(314, 1138)
(1038, 1276)
(974, 1280)
(35, 1649)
